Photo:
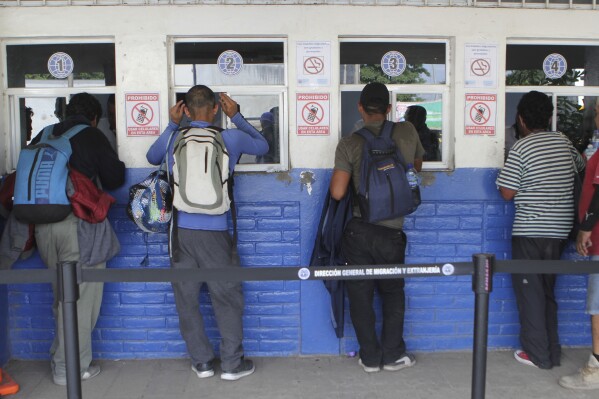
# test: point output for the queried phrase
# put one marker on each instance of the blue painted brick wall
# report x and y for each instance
(277, 218)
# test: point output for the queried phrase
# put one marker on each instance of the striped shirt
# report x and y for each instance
(540, 168)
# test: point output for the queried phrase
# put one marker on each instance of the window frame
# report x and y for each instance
(552, 91)
(15, 94)
(445, 90)
(282, 91)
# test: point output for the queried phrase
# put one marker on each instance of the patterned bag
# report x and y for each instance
(150, 203)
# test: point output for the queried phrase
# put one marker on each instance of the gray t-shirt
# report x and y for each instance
(348, 156)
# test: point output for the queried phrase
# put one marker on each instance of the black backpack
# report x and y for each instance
(384, 192)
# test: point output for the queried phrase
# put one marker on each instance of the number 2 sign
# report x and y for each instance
(230, 62)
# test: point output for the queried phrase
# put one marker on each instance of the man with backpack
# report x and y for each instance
(201, 239)
(58, 241)
(368, 240)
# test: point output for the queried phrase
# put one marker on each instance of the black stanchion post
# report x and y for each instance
(481, 285)
(69, 294)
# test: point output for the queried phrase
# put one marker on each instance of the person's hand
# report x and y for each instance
(583, 242)
(228, 105)
(176, 112)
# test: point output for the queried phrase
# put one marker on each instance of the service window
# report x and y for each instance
(42, 77)
(253, 73)
(567, 72)
(415, 72)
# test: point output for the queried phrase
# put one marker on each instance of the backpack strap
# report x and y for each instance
(386, 134)
(69, 134)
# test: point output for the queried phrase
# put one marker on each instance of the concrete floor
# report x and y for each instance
(435, 376)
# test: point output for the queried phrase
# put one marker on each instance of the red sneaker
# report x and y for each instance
(522, 357)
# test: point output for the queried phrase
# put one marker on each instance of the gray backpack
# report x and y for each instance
(201, 171)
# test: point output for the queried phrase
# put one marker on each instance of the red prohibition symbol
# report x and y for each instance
(142, 114)
(480, 113)
(312, 113)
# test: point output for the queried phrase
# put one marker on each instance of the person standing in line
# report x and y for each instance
(204, 242)
(383, 242)
(416, 115)
(539, 176)
(512, 134)
(58, 242)
(587, 243)
(108, 124)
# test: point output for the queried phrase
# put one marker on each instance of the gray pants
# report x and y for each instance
(57, 242)
(203, 249)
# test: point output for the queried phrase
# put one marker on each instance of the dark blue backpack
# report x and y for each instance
(384, 192)
(41, 178)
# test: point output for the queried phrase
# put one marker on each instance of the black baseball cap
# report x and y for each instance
(374, 95)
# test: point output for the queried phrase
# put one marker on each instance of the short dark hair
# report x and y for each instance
(200, 96)
(536, 110)
(86, 105)
(375, 98)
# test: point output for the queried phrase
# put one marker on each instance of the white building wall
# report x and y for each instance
(141, 35)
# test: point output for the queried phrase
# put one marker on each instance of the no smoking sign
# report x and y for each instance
(313, 114)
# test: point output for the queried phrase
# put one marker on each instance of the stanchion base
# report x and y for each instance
(7, 385)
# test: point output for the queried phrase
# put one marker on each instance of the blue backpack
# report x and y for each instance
(384, 192)
(41, 178)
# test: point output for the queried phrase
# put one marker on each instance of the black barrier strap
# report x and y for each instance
(27, 276)
(360, 272)
(547, 266)
(293, 273)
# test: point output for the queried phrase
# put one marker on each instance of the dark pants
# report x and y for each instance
(368, 244)
(536, 301)
(209, 250)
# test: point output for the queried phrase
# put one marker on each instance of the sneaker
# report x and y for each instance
(522, 357)
(243, 370)
(203, 370)
(367, 368)
(586, 378)
(405, 361)
(90, 373)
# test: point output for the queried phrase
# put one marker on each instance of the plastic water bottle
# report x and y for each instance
(590, 150)
(414, 182)
(413, 178)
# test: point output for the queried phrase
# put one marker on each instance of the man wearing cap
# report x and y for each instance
(383, 242)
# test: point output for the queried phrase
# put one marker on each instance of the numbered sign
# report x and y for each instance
(393, 63)
(230, 62)
(60, 65)
(555, 66)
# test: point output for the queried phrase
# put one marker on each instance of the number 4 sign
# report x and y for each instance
(555, 66)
